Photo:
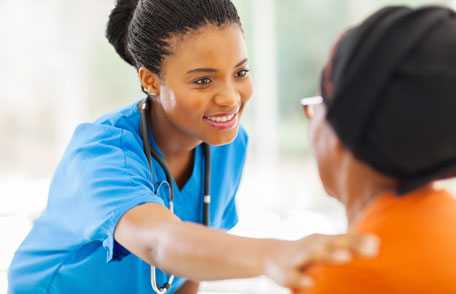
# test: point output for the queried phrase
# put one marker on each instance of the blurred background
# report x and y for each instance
(57, 70)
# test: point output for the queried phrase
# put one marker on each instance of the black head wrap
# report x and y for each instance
(390, 91)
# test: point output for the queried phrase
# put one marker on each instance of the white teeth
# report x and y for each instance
(222, 119)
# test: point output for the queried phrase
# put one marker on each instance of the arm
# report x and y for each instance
(190, 287)
(151, 232)
(198, 253)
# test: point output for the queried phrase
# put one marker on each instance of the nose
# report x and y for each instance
(228, 97)
(308, 104)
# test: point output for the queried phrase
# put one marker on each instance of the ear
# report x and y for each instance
(149, 81)
(339, 146)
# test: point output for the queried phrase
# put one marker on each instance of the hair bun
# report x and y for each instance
(117, 29)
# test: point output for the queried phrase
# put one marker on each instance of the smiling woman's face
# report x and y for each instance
(205, 83)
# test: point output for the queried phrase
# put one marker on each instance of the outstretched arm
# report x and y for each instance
(190, 287)
(198, 253)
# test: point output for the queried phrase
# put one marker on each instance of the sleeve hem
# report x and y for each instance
(108, 242)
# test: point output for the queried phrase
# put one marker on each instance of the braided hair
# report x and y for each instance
(139, 29)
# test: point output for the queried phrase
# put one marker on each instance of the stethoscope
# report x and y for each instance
(144, 107)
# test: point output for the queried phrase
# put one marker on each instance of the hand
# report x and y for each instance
(286, 263)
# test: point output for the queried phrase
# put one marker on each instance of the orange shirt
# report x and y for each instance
(417, 251)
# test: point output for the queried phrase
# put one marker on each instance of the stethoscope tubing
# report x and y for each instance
(150, 153)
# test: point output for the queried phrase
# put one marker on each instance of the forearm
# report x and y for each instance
(190, 287)
(199, 253)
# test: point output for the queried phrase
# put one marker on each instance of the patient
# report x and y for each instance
(384, 134)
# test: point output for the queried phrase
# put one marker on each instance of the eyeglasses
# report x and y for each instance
(308, 103)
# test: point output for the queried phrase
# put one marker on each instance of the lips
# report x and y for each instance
(223, 121)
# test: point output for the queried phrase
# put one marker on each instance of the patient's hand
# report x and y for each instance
(287, 264)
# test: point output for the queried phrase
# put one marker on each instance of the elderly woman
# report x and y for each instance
(384, 134)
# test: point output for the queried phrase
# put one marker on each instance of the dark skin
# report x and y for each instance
(198, 97)
(195, 82)
(344, 177)
(190, 287)
(179, 92)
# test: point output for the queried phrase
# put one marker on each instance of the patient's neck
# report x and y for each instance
(361, 187)
(356, 205)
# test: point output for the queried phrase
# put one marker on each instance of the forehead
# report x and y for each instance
(209, 46)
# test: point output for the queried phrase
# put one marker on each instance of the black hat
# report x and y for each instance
(390, 91)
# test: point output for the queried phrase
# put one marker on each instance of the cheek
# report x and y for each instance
(167, 98)
(317, 145)
(183, 105)
(246, 90)
(324, 155)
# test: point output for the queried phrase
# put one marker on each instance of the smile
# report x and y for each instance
(222, 122)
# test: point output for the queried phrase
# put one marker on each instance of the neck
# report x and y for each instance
(365, 195)
(172, 141)
(361, 187)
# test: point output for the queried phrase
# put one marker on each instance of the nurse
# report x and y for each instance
(108, 222)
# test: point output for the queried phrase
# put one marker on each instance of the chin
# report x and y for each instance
(330, 191)
(222, 138)
(327, 182)
(333, 192)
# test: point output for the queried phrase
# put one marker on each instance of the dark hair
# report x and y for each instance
(390, 88)
(139, 29)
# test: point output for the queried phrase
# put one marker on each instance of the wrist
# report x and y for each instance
(270, 255)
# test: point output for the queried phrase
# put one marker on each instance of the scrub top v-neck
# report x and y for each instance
(103, 174)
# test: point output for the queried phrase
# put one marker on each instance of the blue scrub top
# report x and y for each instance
(103, 174)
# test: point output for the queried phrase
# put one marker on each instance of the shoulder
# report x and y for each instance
(407, 228)
(126, 117)
(99, 138)
(111, 140)
(116, 128)
(350, 279)
(412, 219)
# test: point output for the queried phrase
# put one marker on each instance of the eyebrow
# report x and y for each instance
(213, 70)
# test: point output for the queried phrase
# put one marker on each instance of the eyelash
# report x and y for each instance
(202, 82)
(205, 81)
(245, 71)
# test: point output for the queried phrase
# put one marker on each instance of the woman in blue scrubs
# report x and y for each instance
(107, 219)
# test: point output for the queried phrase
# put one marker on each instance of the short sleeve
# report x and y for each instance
(103, 175)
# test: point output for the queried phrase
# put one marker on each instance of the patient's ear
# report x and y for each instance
(336, 144)
(339, 147)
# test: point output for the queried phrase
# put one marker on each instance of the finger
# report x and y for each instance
(363, 245)
(291, 278)
(336, 256)
(337, 249)
(319, 248)
(369, 246)
(298, 281)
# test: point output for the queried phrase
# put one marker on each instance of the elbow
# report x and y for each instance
(161, 250)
